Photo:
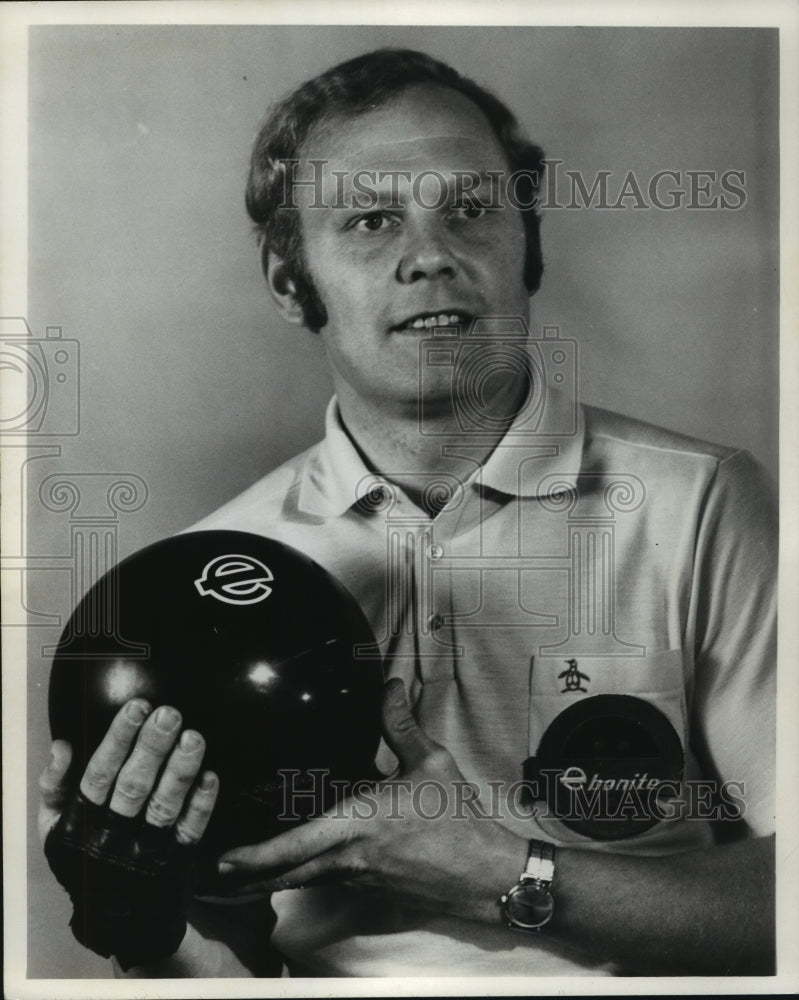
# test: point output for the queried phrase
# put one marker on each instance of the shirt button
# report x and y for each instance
(435, 621)
(436, 551)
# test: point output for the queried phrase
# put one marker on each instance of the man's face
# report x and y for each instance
(385, 270)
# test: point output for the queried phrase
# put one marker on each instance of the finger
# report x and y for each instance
(335, 865)
(192, 824)
(140, 770)
(182, 767)
(404, 735)
(108, 758)
(288, 849)
(329, 868)
(52, 786)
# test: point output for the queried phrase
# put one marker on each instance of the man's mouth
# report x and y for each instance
(429, 320)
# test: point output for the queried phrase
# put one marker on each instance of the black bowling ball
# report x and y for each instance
(262, 651)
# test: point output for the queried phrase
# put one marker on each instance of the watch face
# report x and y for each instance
(530, 906)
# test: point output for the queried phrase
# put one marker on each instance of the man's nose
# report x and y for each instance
(427, 253)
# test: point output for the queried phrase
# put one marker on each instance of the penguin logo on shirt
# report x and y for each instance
(572, 678)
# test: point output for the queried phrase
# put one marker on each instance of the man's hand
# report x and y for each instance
(704, 912)
(122, 844)
(413, 837)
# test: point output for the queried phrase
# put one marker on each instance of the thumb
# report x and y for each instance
(402, 733)
(52, 786)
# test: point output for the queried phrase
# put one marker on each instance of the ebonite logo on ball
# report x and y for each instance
(235, 579)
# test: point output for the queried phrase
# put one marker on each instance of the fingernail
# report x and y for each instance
(225, 868)
(190, 741)
(137, 711)
(166, 719)
(208, 781)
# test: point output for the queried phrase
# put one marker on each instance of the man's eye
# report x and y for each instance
(469, 209)
(374, 222)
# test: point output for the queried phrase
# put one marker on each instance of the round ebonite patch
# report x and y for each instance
(607, 765)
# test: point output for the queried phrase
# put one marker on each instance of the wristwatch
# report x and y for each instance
(529, 905)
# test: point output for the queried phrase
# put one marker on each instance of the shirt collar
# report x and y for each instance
(525, 463)
(531, 460)
(335, 476)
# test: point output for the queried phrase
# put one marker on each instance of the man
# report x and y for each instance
(550, 584)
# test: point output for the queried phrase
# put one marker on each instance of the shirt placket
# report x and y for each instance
(418, 639)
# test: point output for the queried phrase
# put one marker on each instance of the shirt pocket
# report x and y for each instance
(605, 726)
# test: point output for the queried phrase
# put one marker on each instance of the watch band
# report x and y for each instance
(540, 862)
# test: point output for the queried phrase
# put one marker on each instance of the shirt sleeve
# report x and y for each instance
(734, 700)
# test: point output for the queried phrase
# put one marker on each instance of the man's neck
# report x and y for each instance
(392, 443)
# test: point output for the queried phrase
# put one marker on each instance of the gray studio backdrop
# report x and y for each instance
(191, 387)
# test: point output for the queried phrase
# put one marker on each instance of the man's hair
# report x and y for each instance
(352, 88)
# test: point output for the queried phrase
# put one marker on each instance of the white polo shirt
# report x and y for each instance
(642, 559)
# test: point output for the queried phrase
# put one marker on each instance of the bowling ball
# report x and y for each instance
(606, 764)
(262, 651)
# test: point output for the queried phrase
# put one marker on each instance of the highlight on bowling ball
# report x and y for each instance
(261, 650)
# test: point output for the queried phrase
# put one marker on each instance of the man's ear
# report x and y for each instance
(282, 287)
